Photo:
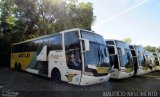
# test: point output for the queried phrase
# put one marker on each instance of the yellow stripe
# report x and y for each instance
(23, 58)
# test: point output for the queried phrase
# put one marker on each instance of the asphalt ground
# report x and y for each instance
(22, 84)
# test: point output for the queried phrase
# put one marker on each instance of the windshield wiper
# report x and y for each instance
(101, 56)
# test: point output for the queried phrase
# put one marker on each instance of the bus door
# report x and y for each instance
(73, 57)
(135, 60)
(113, 60)
(42, 61)
(113, 56)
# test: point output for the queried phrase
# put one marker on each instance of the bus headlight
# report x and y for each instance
(88, 73)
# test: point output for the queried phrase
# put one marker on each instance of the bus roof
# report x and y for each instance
(114, 40)
(44, 36)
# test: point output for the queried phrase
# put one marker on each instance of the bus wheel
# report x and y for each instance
(15, 66)
(19, 67)
(56, 76)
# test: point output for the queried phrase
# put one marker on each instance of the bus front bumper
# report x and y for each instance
(88, 80)
(122, 75)
(141, 71)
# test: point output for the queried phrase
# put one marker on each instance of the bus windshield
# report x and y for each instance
(98, 54)
(156, 59)
(124, 54)
(140, 55)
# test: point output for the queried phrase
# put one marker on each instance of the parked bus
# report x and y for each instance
(148, 60)
(140, 66)
(155, 60)
(75, 56)
(120, 58)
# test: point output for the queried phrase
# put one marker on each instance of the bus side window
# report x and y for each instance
(13, 49)
(71, 40)
(33, 46)
(113, 57)
(133, 53)
(56, 42)
(72, 48)
(111, 50)
(21, 47)
(26, 47)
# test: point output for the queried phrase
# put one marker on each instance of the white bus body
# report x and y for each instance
(75, 56)
(120, 58)
(140, 66)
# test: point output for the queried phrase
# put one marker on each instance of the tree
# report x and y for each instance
(51, 16)
(24, 19)
(7, 19)
(152, 48)
(78, 15)
(128, 40)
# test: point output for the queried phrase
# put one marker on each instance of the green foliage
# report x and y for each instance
(128, 40)
(79, 16)
(21, 19)
(24, 19)
(152, 49)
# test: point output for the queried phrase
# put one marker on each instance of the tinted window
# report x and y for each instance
(32, 46)
(71, 40)
(111, 49)
(93, 37)
(131, 47)
(56, 42)
(114, 61)
(122, 44)
(18, 48)
(109, 42)
(72, 48)
(53, 43)
(133, 52)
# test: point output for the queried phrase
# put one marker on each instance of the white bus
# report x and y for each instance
(155, 60)
(75, 56)
(148, 60)
(140, 66)
(120, 58)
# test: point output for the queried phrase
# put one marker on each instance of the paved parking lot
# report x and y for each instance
(23, 84)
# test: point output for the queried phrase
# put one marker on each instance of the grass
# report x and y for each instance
(155, 74)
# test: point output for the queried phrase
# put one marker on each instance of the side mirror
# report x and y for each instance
(92, 66)
(86, 44)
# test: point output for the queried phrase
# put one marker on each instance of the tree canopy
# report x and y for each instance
(152, 48)
(128, 40)
(24, 19)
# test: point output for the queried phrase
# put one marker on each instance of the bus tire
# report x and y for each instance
(55, 75)
(15, 66)
(19, 67)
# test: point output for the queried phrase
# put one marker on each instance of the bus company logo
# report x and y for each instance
(24, 55)
(55, 56)
(70, 77)
(101, 79)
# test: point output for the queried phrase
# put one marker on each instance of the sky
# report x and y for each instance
(135, 19)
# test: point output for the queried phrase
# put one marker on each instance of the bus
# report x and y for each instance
(148, 60)
(155, 60)
(140, 66)
(120, 58)
(75, 56)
